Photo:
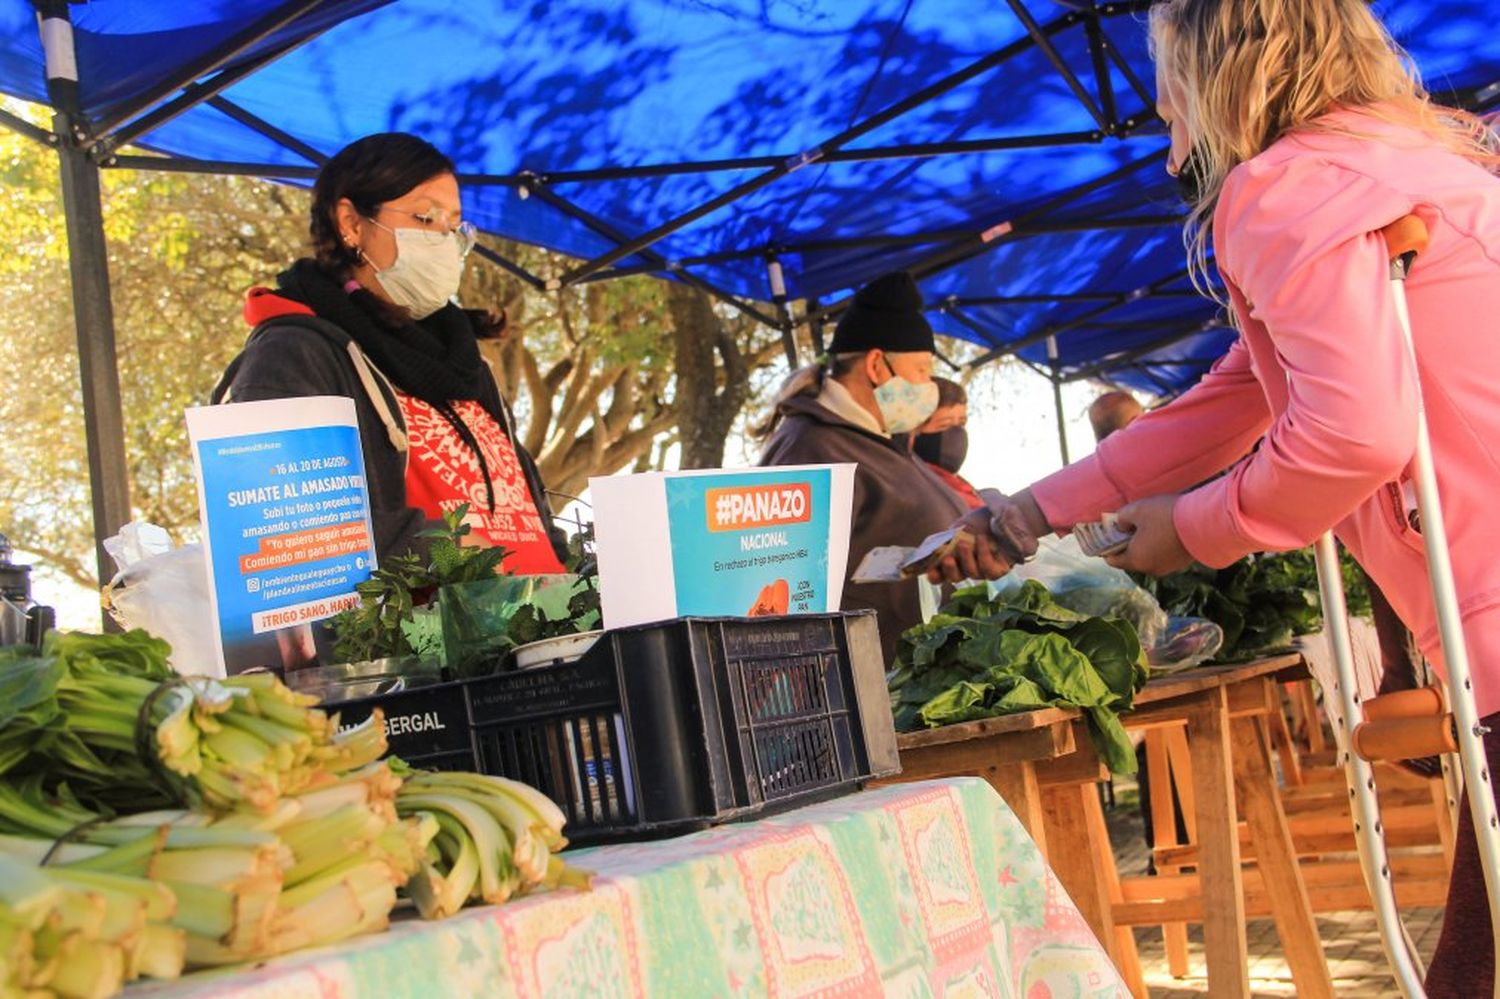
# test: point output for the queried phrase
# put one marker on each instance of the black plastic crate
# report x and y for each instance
(426, 726)
(670, 726)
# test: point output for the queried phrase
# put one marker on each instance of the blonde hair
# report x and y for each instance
(1250, 71)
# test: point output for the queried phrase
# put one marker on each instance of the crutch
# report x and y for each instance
(1411, 723)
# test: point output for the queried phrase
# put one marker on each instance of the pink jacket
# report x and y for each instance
(1320, 378)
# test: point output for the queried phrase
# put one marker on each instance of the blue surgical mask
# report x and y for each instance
(904, 405)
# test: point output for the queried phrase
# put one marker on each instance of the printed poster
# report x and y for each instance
(286, 523)
(722, 543)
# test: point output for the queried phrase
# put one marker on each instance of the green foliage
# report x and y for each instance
(36, 723)
(982, 656)
(484, 622)
(182, 251)
(484, 613)
(388, 600)
(537, 620)
(1262, 601)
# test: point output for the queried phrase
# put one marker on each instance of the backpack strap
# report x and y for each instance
(381, 394)
(378, 388)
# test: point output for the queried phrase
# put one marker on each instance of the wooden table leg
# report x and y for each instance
(1181, 764)
(1085, 866)
(1016, 783)
(1307, 695)
(1127, 957)
(1219, 849)
(1281, 738)
(1164, 834)
(1276, 858)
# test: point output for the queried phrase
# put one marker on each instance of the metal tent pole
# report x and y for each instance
(815, 329)
(801, 160)
(1055, 377)
(88, 264)
(777, 280)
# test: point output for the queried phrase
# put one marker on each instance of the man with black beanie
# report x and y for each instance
(875, 383)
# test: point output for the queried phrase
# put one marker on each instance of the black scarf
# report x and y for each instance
(436, 359)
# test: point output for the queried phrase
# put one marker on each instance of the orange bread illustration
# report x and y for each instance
(775, 599)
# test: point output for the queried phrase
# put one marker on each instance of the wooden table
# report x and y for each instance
(1004, 751)
(1044, 765)
(1222, 719)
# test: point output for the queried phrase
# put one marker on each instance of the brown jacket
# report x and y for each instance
(897, 501)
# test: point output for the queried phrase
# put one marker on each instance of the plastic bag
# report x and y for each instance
(1094, 587)
(1089, 586)
(164, 590)
(1186, 642)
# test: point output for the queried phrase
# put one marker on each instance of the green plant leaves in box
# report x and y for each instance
(484, 621)
(982, 657)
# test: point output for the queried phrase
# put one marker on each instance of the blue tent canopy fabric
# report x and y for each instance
(1006, 152)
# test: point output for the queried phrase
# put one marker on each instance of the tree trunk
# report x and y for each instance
(708, 397)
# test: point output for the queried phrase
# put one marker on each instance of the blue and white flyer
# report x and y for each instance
(286, 522)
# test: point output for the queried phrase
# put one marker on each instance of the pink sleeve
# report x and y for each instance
(1300, 242)
(1168, 450)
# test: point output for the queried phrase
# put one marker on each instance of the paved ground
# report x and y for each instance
(1350, 940)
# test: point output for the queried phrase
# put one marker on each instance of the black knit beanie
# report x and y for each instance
(886, 314)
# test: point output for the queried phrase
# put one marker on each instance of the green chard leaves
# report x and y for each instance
(982, 657)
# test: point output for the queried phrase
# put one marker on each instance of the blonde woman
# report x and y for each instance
(1299, 131)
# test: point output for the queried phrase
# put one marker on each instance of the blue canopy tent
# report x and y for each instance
(767, 151)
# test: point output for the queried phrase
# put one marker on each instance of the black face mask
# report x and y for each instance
(947, 450)
(1190, 178)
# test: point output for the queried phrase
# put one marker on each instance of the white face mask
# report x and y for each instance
(904, 405)
(427, 270)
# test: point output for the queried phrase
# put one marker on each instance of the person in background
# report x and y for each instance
(1299, 132)
(875, 385)
(370, 316)
(943, 441)
(1113, 411)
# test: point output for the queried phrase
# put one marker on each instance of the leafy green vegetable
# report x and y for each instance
(381, 625)
(484, 615)
(485, 621)
(983, 657)
(1261, 602)
(28, 703)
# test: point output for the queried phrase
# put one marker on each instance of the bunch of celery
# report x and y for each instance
(318, 867)
(495, 838)
(108, 716)
(271, 830)
(81, 934)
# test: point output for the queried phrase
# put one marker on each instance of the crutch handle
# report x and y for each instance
(1421, 702)
(1405, 738)
(1406, 235)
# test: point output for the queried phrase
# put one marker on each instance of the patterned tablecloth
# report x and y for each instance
(929, 889)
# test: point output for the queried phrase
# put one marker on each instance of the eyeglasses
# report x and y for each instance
(435, 224)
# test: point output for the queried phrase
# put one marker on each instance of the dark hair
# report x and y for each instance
(489, 324)
(369, 172)
(950, 393)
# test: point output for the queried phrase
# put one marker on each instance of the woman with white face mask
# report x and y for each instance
(875, 387)
(371, 316)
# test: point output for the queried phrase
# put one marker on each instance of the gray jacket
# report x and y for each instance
(897, 501)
